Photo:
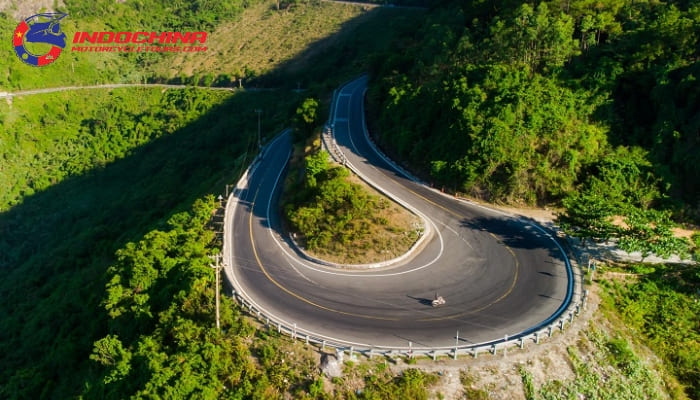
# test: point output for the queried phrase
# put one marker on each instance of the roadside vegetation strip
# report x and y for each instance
(661, 306)
(343, 223)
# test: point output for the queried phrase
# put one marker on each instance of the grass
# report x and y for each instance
(384, 232)
(471, 391)
(262, 39)
(660, 310)
(293, 48)
(605, 367)
(638, 345)
(391, 233)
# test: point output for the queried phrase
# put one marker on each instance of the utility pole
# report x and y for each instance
(259, 111)
(217, 268)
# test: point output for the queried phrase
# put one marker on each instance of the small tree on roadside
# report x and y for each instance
(306, 117)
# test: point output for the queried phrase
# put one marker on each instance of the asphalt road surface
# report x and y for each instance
(499, 275)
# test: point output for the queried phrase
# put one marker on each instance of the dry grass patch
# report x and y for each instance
(392, 231)
(263, 39)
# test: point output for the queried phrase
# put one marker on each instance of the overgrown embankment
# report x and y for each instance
(342, 220)
(660, 304)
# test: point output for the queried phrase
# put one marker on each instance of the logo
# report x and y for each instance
(40, 32)
(140, 41)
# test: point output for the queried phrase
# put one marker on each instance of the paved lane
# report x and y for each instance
(499, 276)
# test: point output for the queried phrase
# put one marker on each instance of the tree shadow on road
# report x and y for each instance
(521, 233)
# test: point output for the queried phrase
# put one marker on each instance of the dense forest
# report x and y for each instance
(105, 222)
(592, 105)
(101, 231)
(105, 180)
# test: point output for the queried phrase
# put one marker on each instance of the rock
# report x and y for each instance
(332, 365)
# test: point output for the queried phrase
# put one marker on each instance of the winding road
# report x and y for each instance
(499, 275)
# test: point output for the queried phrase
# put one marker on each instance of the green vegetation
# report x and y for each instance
(263, 41)
(411, 384)
(338, 217)
(375, 381)
(105, 222)
(663, 307)
(468, 382)
(163, 341)
(307, 118)
(56, 244)
(248, 40)
(73, 133)
(157, 14)
(105, 15)
(631, 379)
(528, 385)
(592, 105)
(86, 173)
(70, 68)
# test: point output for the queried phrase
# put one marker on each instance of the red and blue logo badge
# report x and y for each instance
(40, 31)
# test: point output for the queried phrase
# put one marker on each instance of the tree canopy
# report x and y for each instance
(589, 104)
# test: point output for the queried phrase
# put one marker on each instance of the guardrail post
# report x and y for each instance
(267, 322)
(434, 355)
(550, 330)
(454, 356)
(561, 324)
(537, 338)
(476, 352)
(307, 339)
(505, 345)
(522, 343)
(571, 318)
(323, 345)
(371, 352)
(351, 351)
(279, 328)
(578, 308)
(294, 332)
(456, 344)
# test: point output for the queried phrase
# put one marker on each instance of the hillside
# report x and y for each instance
(107, 215)
(263, 40)
(589, 106)
(586, 107)
(87, 176)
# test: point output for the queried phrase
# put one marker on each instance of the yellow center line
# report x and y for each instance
(503, 296)
(262, 268)
(435, 204)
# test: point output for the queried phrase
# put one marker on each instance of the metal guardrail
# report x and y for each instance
(564, 316)
(409, 351)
